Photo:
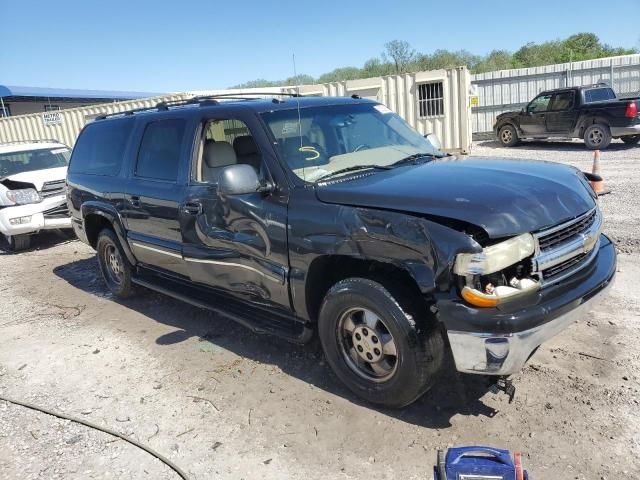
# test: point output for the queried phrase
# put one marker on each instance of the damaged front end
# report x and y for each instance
(502, 272)
(517, 293)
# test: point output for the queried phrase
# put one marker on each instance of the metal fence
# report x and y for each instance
(432, 102)
(506, 90)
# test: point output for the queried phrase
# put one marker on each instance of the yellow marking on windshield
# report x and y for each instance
(310, 150)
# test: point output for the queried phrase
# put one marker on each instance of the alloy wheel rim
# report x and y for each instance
(506, 135)
(596, 136)
(113, 264)
(367, 345)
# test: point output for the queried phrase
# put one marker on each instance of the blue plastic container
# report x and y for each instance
(478, 463)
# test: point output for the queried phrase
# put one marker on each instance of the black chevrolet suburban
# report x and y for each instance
(592, 113)
(296, 215)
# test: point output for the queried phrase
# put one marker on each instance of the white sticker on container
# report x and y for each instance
(382, 109)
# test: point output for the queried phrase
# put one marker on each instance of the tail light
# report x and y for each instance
(632, 110)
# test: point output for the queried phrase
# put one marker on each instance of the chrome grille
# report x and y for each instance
(564, 249)
(50, 189)
(61, 211)
(563, 234)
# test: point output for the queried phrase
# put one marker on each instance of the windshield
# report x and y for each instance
(30, 160)
(326, 139)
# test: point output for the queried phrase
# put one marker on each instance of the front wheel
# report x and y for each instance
(597, 136)
(631, 139)
(16, 243)
(375, 347)
(508, 136)
(116, 269)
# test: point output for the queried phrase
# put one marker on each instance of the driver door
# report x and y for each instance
(235, 243)
(532, 120)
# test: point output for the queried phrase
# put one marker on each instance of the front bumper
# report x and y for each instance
(499, 341)
(39, 219)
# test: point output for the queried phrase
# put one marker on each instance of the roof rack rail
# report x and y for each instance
(38, 140)
(202, 100)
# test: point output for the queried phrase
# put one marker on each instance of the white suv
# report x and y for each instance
(32, 190)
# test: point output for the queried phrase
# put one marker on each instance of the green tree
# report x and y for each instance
(400, 57)
(340, 74)
(496, 60)
(399, 53)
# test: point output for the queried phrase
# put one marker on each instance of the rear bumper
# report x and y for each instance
(510, 337)
(624, 131)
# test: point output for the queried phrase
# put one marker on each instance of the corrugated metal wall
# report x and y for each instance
(506, 90)
(451, 122)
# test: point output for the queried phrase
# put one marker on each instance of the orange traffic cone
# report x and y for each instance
(598, 185)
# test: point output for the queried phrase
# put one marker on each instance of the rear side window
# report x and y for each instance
(562, 101)
(159, 154)
(100, 148)
(598, 95)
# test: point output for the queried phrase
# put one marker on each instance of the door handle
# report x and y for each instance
(135, 200)
(192, 208)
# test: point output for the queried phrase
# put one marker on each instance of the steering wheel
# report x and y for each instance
(361, 146)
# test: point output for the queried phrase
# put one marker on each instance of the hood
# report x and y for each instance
(504, 197)
(38, 177)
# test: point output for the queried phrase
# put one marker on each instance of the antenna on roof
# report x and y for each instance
(297, 97)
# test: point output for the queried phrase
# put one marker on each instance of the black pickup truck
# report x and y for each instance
(332, 215)
(592, 113)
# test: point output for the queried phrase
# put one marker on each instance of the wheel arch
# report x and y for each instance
(405, 282)
(96, 217)
(587, 121)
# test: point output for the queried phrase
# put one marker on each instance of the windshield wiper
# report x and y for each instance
(413, 158)
(353, 169)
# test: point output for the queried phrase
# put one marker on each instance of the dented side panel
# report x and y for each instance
(424, 249)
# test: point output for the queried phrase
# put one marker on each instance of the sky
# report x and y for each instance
(167, 46)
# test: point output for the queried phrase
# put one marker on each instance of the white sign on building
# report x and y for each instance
(51, 118)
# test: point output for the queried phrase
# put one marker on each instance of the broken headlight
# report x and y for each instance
(23, 196)
(497, 273)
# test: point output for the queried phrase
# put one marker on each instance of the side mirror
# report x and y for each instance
(433, 139)
(238, 179)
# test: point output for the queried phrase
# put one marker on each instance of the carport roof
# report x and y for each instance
(39, 92)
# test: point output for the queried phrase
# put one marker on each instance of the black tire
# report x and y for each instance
(508, 136)
(419, 348)
(116, 269)
(597, 136)
(16, 243)
(631, 139)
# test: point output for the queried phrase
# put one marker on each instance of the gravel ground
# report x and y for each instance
(222, 402)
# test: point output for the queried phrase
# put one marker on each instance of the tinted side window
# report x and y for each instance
(562, 101)
(598, 95)
(159, 154)
(100, 148)
(539, 104)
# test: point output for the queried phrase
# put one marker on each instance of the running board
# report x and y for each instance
(256, 319)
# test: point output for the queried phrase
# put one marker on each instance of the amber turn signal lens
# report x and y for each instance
(477, 299)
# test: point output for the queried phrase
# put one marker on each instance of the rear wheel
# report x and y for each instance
(631, 139)
(15, 243)
(597, 136)
(375, 347)
(508, 136)
(116, 269)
